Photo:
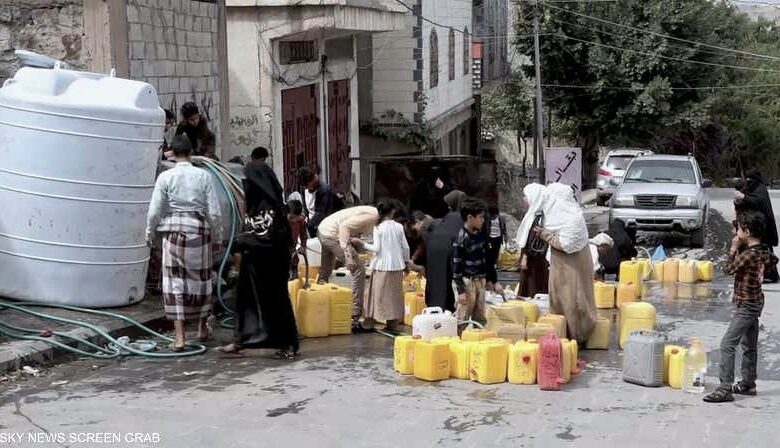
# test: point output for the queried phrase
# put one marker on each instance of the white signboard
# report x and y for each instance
(564, 165)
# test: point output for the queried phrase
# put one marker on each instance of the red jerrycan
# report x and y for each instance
(550, 362)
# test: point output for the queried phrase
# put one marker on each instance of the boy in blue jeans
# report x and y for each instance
(747, 261)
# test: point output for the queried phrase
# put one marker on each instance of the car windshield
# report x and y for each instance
(618, 162)
(676, 171)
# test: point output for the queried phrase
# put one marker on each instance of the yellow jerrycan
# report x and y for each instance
(476, 334)
(489, 362)
(530, 309)
(658, 271)
(511, 332)
(635, 316)
(706, 270)
(687, 271)
(599, 339)
(432, 360)
(626, 293)
(676, 367)
(314, 311)
(604, 294)
(535, 331)
(403, 354)
(671, 270)
(460, 359)
(414, 302)
(521, 366)
(558, 322)
(340, 310)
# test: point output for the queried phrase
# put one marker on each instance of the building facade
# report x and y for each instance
(178, 46)
(293, 82)
(491, 34)
(423, 73)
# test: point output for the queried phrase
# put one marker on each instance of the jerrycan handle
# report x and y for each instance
(432, 310)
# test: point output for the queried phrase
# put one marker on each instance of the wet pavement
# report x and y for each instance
(343, 391)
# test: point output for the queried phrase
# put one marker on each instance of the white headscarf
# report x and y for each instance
(602, 239)
(563, 216)
(536, 195)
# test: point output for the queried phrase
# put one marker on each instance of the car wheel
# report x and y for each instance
(697, 238)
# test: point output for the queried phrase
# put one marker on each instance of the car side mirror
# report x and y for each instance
(706, 183)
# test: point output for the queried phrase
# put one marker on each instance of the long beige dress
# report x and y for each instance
(571, 288)
(385, 297)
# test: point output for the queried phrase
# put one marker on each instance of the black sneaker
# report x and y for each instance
(719, 396)
(743, 389)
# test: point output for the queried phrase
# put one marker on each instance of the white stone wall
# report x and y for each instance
(393, 68)
(173, 45)
(448, 94)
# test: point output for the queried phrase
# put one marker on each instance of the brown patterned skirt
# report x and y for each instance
(186, 266)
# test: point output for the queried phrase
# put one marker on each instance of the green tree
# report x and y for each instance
(510, 106)
(620, 85)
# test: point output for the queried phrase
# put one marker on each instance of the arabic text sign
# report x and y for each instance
(564, 165)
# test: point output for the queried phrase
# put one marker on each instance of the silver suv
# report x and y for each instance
(612, 170)
(663, 193)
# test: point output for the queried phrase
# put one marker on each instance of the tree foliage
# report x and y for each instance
(620, 85)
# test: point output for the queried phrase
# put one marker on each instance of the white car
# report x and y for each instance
(612, 170)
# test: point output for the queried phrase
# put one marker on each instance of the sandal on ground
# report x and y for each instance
(743, 389)
(719, 396)
(231, 349)
(286, 355)
(177, 348)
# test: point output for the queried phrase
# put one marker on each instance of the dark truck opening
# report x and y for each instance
(410, 180)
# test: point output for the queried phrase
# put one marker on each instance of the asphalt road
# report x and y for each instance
(343, 392)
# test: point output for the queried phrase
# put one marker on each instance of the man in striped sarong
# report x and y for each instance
(185, 211)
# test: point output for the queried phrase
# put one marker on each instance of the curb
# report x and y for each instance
(17, 353)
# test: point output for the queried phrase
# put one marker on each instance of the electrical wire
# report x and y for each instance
(672, 58)
(631, 88)
(665, 36)
(672, 45)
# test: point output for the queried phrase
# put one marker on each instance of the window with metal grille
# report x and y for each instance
(297, 52)
(466, 47)
(451, 54)
(434, 62)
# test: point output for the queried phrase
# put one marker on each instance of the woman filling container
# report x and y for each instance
(185, 211)
(571, 264)
(264, 314)
(385, 292)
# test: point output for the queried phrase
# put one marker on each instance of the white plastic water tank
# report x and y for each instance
(78, 154)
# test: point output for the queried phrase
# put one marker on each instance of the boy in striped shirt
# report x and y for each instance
(469, 249)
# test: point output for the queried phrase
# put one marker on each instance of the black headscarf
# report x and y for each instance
(263, 193)
(623, 248)
(757, 199)
(262, 189)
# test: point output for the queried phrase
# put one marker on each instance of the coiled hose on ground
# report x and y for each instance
(113, 348)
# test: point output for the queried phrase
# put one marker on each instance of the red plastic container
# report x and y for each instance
(550, 363)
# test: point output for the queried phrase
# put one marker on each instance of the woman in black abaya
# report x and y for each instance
(264, 315)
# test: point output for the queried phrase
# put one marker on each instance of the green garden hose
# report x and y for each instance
(112, 351)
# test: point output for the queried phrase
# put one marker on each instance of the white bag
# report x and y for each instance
(433, 323)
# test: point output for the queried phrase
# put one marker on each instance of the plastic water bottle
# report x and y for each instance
(695, 368)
